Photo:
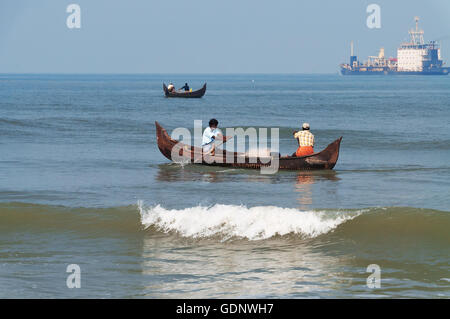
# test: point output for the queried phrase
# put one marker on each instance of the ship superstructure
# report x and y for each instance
(414, 57)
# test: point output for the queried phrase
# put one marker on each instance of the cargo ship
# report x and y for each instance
(413, 58)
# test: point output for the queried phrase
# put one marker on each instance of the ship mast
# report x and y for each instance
(416, 35)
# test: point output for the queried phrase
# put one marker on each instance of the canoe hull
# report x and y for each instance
(325, 159)
(193, 94)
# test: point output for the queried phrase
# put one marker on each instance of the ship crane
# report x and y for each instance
(416, 35)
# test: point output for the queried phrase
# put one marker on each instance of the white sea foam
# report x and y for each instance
(228, 221)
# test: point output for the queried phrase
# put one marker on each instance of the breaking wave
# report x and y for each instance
(232, 221)
(227, 222)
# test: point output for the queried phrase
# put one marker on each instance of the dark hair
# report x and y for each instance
(213, 122)
(305, 129)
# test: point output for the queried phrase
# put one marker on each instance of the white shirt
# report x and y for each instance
(209, 135)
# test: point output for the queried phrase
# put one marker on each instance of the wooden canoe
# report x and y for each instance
(185, 94)
(325, 159)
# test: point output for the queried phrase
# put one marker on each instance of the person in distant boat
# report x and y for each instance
(185, 87)
(210, 135)
(305, 141)
(170, 88)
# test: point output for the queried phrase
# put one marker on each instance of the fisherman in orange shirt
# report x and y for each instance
(305, 141)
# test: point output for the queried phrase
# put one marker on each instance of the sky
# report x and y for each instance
(207, 36)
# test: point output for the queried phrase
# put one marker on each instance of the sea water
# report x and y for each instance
(82, 182)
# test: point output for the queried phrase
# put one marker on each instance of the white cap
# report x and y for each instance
(305, 126)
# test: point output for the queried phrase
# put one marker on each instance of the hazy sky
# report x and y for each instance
(207, 36)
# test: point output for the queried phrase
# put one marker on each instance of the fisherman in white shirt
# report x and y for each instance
(210, 135)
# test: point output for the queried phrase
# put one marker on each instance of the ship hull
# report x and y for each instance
(443, 71)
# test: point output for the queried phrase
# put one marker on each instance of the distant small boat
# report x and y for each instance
(325, 159)
(185, 94)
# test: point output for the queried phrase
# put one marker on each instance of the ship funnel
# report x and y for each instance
(353, 58)
(381, 54)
